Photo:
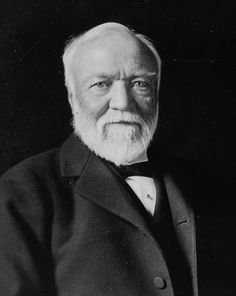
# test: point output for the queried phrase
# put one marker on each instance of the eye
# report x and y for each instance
(140, 85)
(101, 84)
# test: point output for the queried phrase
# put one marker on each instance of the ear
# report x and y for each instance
(70, 98)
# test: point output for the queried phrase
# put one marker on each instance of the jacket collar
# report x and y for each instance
(103, 187)
(73, 157)
(76, 159)
(98, 184)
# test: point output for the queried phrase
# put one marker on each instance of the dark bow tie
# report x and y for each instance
(138, 169)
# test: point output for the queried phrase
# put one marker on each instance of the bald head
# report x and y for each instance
(100, 36)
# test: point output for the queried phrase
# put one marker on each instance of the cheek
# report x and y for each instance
(146, 103)
(91, 105)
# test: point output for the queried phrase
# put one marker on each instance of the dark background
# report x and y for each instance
(196, 40)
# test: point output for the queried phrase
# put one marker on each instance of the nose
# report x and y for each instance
(121, 98)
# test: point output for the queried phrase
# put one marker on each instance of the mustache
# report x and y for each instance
(125, 117)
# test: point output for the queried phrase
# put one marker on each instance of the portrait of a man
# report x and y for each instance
(107, 213)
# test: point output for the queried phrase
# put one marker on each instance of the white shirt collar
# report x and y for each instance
(140, 158)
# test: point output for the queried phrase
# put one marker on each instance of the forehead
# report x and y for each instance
(111, 53)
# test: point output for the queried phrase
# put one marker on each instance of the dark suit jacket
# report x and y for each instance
(70, 227)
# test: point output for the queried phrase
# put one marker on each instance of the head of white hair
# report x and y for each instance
(98, 32)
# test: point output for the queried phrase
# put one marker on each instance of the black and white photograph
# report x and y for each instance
(117, 148)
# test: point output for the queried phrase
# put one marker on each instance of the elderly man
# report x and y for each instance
(99, 216)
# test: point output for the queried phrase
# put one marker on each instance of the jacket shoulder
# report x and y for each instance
(194, 178)
(40, 164)
(32, 182)
(181, 166)
(26, 215)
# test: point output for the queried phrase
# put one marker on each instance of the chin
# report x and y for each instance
(121, 150)
(117, 143)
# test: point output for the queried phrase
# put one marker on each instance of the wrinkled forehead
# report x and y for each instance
(113, 45)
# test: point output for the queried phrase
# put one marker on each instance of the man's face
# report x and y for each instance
(114, 97)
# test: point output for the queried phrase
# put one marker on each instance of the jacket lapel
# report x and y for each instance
(101, 186)
(98, 184)
(183, 220)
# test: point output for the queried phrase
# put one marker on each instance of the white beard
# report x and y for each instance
(116, 142)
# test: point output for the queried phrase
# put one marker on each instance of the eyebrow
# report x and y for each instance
(136, 74)
(144, 73)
